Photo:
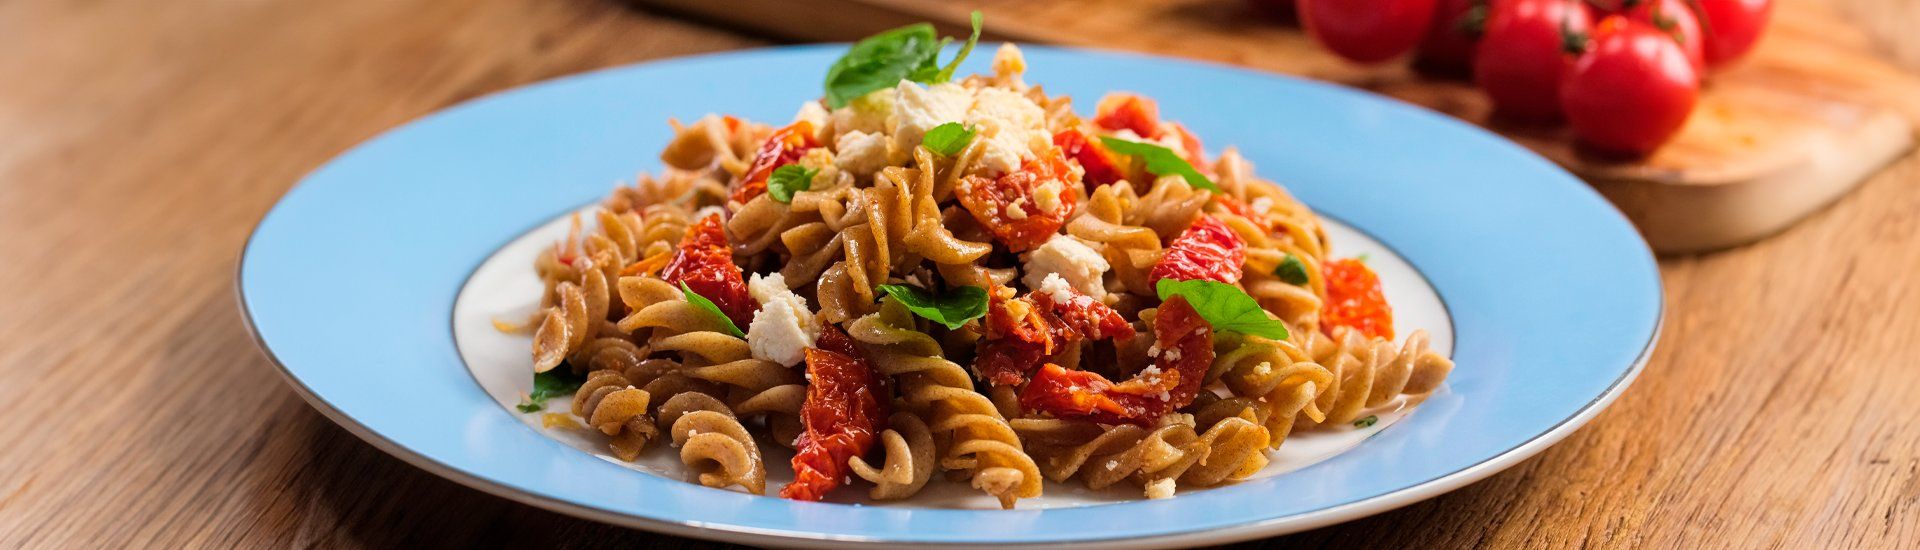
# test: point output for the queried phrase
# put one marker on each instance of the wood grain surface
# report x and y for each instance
(140, 141)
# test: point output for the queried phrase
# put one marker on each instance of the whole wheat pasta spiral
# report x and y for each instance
(714, 442)
(909, 455)
(979, 441)
(758, 387)
(1370, 372)
(1231, 448)
(610, 404)
(1278, 379)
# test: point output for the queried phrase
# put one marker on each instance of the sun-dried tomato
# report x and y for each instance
(1022, 332)
(842, 414)
(704, 262)
(1206, 250)
(1354, 300)
(1183, 346)
(1099, 164)
(1017, 337)
(785, 146)
(1014, 207)
(1081, 316)
(1124, 111)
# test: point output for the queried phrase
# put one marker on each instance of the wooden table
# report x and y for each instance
(140, 141)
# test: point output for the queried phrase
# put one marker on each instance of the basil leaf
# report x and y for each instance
(1161, 161)
(703, 304)
(952, 309)
(1224, 306)
(1292, 271)
(880, 61)
(1362, 258)
(946, 74)
(548, 385)
(1364, 422)
(789, 179)
(948, 139)
(883, 60)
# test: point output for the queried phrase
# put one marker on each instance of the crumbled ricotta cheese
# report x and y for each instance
(1056, 288)
(867, 113)
(917, 109)
(1160, 488)
(813, 113)
(1008, 122)
(784, 328)
(861, 153)
(1046, 197)
(1016, 210)
(1080, 265)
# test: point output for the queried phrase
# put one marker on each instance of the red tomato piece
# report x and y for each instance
(705, 263)
(1022, 332)
(1354, 300)
(1366, 32)
(843, 412)
(1184, 345)
(784, 147)
(1123, 111)
(1206, 250)
(1732, 28)
(1632, 92)
(1095, 160)
(1678, 21)
(1522, 55)
(1009, 208)
(1082, 317)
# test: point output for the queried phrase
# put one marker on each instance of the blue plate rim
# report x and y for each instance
(741, 533)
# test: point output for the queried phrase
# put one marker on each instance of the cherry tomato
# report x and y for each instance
(1632, 90)
(1206, 250)
(1732, 27)
(1522, 55)
(1185, 351)
(1025, 207)
(1354, 300)
(1366, 31)
(784, 147)
(1452, 37)
(1674, 17)
(704, 262)
(842, 414)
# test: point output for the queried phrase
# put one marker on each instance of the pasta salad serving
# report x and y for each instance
(928, 273)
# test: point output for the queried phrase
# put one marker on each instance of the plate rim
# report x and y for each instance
(784, 538)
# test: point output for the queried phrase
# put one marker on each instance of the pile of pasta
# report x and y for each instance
(964, 277)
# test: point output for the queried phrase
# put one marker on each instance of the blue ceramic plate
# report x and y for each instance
(371, 282)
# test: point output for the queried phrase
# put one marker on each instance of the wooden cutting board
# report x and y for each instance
(1808, 115)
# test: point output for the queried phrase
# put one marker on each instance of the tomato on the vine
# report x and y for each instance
(1632, 90)
(1523, 55)
(1732, 27)
(1675, 17)
(1366, 31)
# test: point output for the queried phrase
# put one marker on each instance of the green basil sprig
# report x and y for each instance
(1161, 161)
(948, 139)
(789, 179)
(952, 309)
(1224, 306)
(548, 385)
(703, 304)
(883, 60)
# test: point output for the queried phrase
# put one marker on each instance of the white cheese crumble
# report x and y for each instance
(1046, 197)
(867, 113)
(1072, 260)
(861, 153)
(784, 328)
(917, 109)
(1262, 205)
(1015, 210)
(1160, 488)
(813, 113)
(1008, 123)
(1056, 288)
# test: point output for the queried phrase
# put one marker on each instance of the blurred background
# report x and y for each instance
(140, 142)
